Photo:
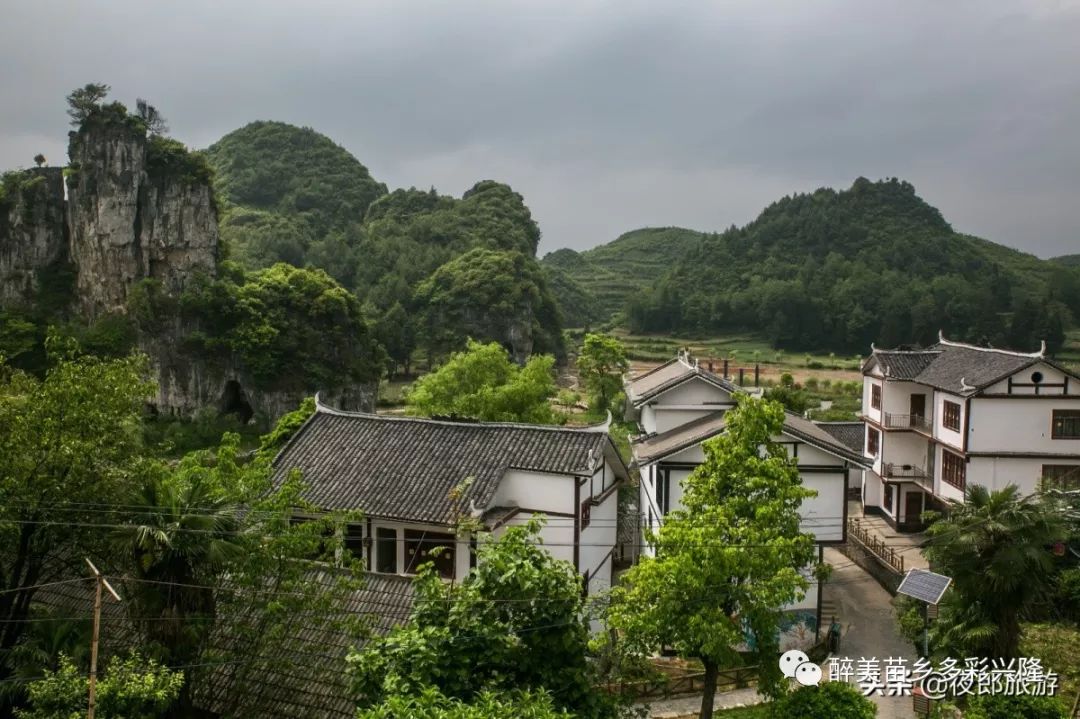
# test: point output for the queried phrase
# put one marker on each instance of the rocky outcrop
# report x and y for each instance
(32, 235)
(127, 225)
(138, 208)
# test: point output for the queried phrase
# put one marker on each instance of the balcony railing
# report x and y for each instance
(908, 421)
(891, 470)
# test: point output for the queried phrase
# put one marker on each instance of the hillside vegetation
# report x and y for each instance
(610, 274)
(293, 195)
(835, 270)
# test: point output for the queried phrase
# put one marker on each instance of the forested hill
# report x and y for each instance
(594, 285)
(836, 270)
(292, 195)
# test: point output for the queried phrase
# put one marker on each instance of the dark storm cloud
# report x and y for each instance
(605, 115)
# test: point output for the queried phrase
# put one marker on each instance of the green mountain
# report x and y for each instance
(288, 192)
(605, 277)
(293, 195)
(832, 270)
(1067, 260)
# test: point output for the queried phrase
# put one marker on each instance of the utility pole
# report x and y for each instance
(99, 582)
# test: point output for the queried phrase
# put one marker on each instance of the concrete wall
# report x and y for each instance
(536, 490)
(950, 437)
(1019, 425)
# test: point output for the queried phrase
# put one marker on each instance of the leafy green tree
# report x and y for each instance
(129, 687)
(601, 364)
(288, 583)
(180, 534)
(789, 394)
(828, 700)
(155, 122)
(85, 100)
(430, 704)
(516, 623)
(396, 332)
(726, 564)
(490, 295)
(995, 548)
(482, 383)
(291, 328)
(70, 449)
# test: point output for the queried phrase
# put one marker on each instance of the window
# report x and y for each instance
(875, 396)
(888, 498)
(420, 548)
(1066, 424)
(953, 468)
(663, 491)
(354, 539)
(873, 441)
(1065, 477)
(586, 513)
(386, 550)
(951, 416)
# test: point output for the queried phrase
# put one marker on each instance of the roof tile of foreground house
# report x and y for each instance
(427, 470)
(851, 434)
(668, 375)
(303, 675)
(952, 366)
(664, 444)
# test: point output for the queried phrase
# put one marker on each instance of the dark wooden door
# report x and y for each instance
(918, 405)
(912, 507)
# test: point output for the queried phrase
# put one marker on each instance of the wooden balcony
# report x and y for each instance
(908, 421)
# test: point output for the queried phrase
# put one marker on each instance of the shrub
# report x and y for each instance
(996, 706)
(829, 700)
(811, 383)
(814, 364)
(1068, 592)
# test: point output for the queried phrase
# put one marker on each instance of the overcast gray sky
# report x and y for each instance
(606, 116)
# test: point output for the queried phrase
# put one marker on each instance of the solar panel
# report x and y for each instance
(924, 585)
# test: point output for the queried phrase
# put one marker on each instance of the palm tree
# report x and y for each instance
(996, 548)
(179, 540)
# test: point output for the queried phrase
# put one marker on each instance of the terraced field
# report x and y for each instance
(611, 272)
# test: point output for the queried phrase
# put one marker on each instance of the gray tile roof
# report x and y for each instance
(798, 426)
(671, 374)
(952, 366)
(904, 364)
(417, 469)
(664, 444)
(302, 676)
(850, 434)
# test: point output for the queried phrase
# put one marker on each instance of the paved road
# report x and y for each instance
(689, 706)
(865, 612)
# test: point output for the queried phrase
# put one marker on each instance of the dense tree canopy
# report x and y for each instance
(730, 560)
(70, 446)
(490, 295)
(129, 687)
(516, 623)
(482, 383)
(835, 271)
(601, 365)
(296, 172)
(995, 548)
(292, 328)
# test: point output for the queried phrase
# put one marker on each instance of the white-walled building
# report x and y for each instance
(679, 405)
(941, 418)
(417, 481)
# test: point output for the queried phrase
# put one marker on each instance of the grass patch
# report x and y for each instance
(759, 711)
(1058, 646)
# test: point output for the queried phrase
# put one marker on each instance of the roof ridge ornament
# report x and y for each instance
(948, 343)
(965, 386)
